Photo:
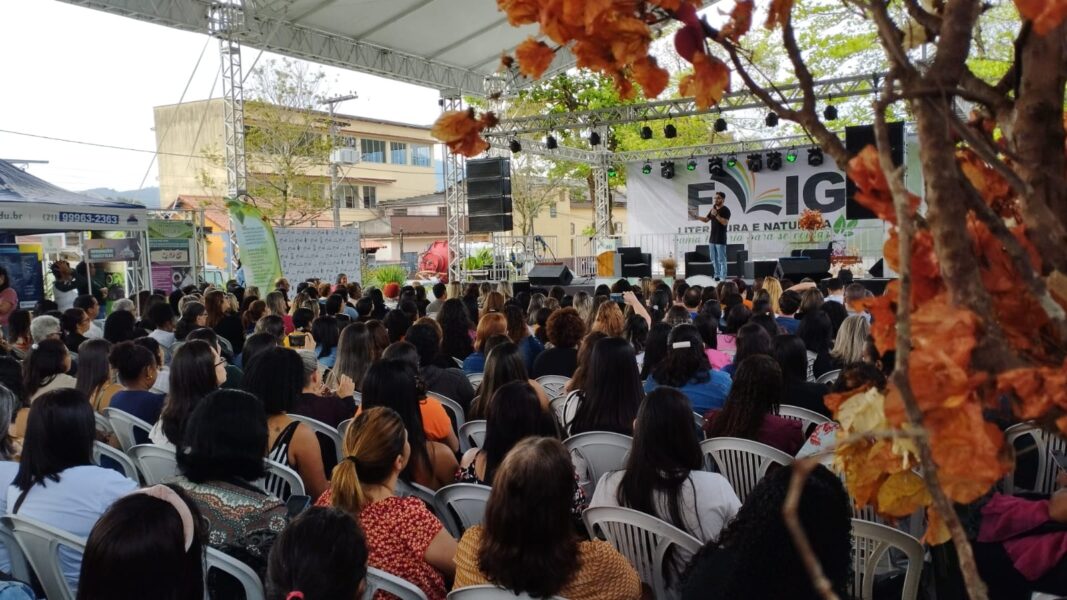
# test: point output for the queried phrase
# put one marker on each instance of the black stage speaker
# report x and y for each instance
(856, 139)
(489, 195)
(799, 268)
(519, 287)
(760, 268)
(550, 275)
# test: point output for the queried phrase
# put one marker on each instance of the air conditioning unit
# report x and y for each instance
(344, 156)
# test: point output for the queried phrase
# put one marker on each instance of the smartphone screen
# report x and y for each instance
(617, 298)
(296, 339)
(297, 504)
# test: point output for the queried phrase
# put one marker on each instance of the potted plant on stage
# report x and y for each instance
(670, 266)
(390, 278)
(811, 221)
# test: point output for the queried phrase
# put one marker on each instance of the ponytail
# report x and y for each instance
(372, 443)
(346, 492)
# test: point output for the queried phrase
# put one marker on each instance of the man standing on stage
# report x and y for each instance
(719, 217)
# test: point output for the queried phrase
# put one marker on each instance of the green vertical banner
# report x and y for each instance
(257, 247)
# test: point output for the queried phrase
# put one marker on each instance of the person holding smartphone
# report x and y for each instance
(719, 217)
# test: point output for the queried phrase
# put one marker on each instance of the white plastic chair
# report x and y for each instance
(1044, 442)
(870, 545)
(698, 420)
(342, 430)
(829, 377)
(453, 408)
(602, 451)
(40, 544)
(378, 580)
(321, 428)
(804, 415)
(124, 424)
(475, 379)
(554, 385)
(646, 542)
(565, 408)
(459, 363)
(157, 463)
(282, 481)
(358, 397)
(103, 425)
(129, 469)
(405, 489)
(20, 567)
(461, 506)
(742, 462)
(490, 592)
(243, 573)
(472, 435)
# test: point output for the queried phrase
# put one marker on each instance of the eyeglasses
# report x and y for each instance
(220, 362)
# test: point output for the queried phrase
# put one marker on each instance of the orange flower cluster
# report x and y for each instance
(1046, 14)
(461, 131)
(811, 220)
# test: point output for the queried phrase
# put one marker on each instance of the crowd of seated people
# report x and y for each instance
(231, 382)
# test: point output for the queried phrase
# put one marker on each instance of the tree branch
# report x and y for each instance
(790, 514)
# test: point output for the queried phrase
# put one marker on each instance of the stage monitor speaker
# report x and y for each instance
(797, 269)
(856, 139)
(489, 223)
(760, 268)
(519, 287)
(550, 275)
(481, 207)
(488, 168)
(878, 270)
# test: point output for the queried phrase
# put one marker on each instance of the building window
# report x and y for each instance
(552, 210)
(398, 153)
(349, 196)
(572, 228)
(574, 246)
(442, 211)
(347, 141)
(400, 212)
(370, 196)
(420, 155)
(372, 151)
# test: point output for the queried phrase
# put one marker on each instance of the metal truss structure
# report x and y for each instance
(455, 198)
(798, 142)
(843, 87)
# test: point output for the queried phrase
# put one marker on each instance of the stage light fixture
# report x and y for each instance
(732, 161)
(666, 169)
(720, 125)
(647, 168)
(830, 112)
(612, 171)
(715, 167)
(774, 160)
(815, 157)
(691, 165)
(515, 146)
(646, 133)
(551, 143)
(755, 162)
(791, 156)
(772, 119)
(669, 131)
(594, 139)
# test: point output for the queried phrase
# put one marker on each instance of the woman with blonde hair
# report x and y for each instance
(494, 303)
(850, 341)
(484, 289)
(583, 303)
(488, 326)
(276, 306)
(504, 287)
(609, 320)
(773, 287)
(403, 537)
(537, 302)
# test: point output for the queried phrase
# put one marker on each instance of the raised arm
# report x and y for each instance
(631, 300)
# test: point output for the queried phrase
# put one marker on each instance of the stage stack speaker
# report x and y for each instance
(856, 139)
(797, 269)
(489, 195)
(550, 275)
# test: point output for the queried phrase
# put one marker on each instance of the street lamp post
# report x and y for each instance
(334, 169)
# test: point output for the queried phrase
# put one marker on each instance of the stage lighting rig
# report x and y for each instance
(720, 125)
(715, 167)
(772, 119)
(515, 146)
(646, 133)
(830, 112)
(666, 169)
(550, 142)
(774, 160)
(814, 157)
(669, 131)
(691, 165)
(647, 168)
(791, 156)
(754, 162)
(731, 161)
(594, 139)
(613, 172)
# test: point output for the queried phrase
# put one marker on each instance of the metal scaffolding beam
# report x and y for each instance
(735, 147)
(843, 87)
(455, 198)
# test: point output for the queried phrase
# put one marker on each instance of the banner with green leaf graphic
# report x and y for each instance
(256, 245)
(764, 204)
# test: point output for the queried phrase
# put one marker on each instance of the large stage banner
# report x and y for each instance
(319, 253)
(764, 207)
(257, 246)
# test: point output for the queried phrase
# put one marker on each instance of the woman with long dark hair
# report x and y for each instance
(193, 317)
(504, 365)
(655, 348)
(611, 393)
(403, 537)
(659, 303)
(456, 341)
(18, 331)
(519, 333)
(354, 356)
(395, 384)
(792, 357)
(45, 369)
(736, 565)
(686, 367)
(95, 376)
(75, 324)
(752, 339)
(225, 322)
(664, 475)
(817, 332)
(327, 335)
(526, 542)
(636, 333)
(516, 414)
(196, 371)
(321, 554)
(57, 482)
(749, 411)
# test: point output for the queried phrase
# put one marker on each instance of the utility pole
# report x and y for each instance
(334, 167)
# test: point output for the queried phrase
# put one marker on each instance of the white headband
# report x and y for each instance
(164, 493)
(683, 344)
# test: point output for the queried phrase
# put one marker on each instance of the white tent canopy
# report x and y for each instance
(30, 205)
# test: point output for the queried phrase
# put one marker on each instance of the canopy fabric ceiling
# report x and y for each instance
(442, 44)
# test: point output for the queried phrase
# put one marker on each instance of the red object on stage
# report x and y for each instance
(435, 260)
